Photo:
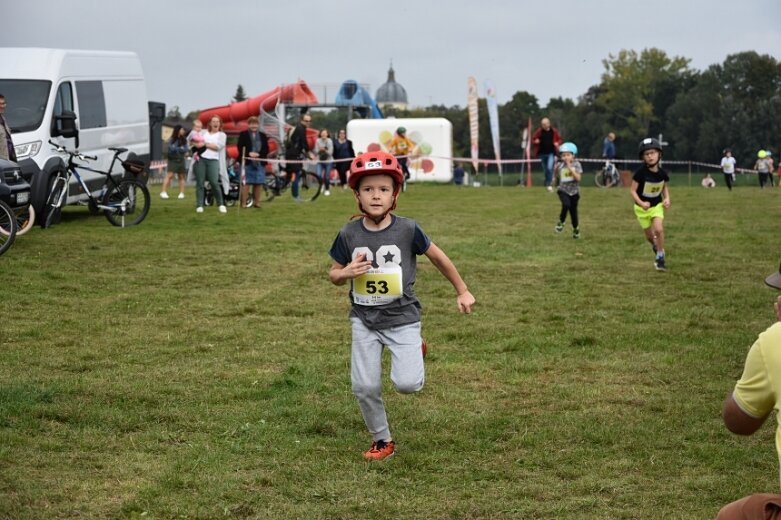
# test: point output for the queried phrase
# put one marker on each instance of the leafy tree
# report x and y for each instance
(736, 104)
(240, 95)
(637, 89)
(174, 113)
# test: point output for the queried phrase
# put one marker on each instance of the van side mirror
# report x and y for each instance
(67, 124)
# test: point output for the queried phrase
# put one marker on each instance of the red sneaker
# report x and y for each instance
(424, 348)
(380, 450)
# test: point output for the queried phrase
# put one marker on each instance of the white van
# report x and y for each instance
(105, 89)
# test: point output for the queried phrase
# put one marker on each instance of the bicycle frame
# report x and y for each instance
(110, 182)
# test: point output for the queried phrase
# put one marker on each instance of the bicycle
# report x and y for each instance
(608, 176)
(309, 189)
(7, 227)
(25, 218)
(124, 202)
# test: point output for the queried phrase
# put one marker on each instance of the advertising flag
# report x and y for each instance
(493, 121)
(471, 103)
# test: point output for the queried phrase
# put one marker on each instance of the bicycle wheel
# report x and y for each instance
(600, 178)
(128, 203)
(25, 218)
(56, 199)
(271, 187)
(311, 186)
(615, 177)
(7, 227)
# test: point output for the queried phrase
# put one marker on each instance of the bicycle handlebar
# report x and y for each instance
(75, 153)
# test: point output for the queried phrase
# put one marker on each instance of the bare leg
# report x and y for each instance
(167, 181)
(658, 231)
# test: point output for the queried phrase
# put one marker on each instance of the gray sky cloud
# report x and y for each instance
(195, 53)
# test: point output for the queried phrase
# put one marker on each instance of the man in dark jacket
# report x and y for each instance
(298, 150)
(546, 141)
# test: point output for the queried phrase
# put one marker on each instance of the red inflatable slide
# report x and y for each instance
(235, 115)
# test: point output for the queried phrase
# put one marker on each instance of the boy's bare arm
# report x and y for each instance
(339, 274)
(633, 192)
(464, 298)
(666, 196)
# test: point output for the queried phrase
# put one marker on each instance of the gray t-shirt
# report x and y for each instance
(385, 296)
(567, 182)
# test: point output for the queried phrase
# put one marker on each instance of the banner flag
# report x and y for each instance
(493, 121)
(471, 103)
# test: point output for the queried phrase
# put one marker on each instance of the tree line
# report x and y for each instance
(735, 104)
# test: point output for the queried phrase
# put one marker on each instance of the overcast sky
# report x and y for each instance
(196, 52)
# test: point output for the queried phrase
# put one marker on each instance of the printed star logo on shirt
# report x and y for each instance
(388, 257)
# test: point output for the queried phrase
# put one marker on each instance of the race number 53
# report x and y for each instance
(382, 284)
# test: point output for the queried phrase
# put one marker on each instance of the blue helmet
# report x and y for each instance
(569, 147)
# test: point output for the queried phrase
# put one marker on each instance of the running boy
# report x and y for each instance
(377, 254)
(728, 167)
(566, 174)
(651, 195)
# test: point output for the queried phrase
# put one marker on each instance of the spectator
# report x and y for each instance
(343, 154)
(253, 147)
(177, 152)
(324, 147)
(402, 146)
(546, 141)
(211, 165)
(708, 182)
(609, 147)
(7, 150)
(728, 167)
(297, 150)
(458, 174)
(755, 396)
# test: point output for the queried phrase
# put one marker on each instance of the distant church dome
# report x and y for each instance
(391, 93)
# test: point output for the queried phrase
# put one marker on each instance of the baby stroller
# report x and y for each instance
(232, 196)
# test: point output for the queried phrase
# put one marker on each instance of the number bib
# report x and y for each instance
(653, 190)
(378, 286)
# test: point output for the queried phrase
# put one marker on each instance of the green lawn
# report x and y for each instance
(197, 366)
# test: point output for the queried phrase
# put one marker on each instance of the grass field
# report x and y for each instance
(196, 366)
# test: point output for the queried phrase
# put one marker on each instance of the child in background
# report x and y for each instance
(566, 174)
(195, 139)
(651, 196)
(728, 167)
(377, 254)
(763, 167)
(708, 182)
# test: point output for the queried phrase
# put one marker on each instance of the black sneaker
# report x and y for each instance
(576, 233)
(559, 227)
(659, 263)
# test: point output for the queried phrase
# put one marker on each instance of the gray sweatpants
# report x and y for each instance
(407, 373)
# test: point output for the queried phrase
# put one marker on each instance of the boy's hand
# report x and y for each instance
(357, 267)
(666, 203)
(645, 204)
(465, 301)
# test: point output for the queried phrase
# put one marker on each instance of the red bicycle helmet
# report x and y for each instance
(375, 163)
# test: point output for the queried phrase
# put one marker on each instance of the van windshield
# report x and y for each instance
(26, 102)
